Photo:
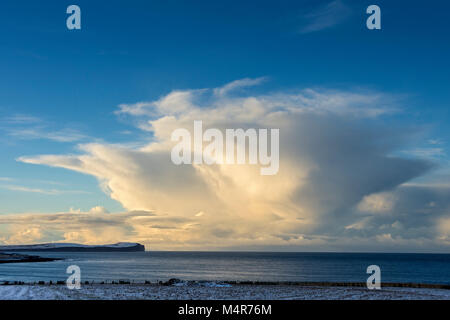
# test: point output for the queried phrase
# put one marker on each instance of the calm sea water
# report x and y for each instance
(255, 266)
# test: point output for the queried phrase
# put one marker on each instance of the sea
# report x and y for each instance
(155, 266)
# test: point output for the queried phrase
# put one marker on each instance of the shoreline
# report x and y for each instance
(210, 291)
(200, 283)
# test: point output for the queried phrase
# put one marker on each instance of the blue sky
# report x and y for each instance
(61, 88)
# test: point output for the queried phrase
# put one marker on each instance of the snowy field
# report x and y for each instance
(249, 292)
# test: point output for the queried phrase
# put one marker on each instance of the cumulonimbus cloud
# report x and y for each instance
(336, 155)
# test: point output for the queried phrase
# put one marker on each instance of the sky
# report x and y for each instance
(86, 117)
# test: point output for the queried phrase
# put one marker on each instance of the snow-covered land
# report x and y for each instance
(247, 292)
(61, 247)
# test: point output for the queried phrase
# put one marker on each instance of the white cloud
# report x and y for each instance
(199, 214)
(237, 84)
(63, 135)
(20, 119)
(377, 203)
(27, 127)
(359, 225)
(325, 17)
(41, 191)
(435, 141)
(444, 229)
(98, 210)
(430, 153)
